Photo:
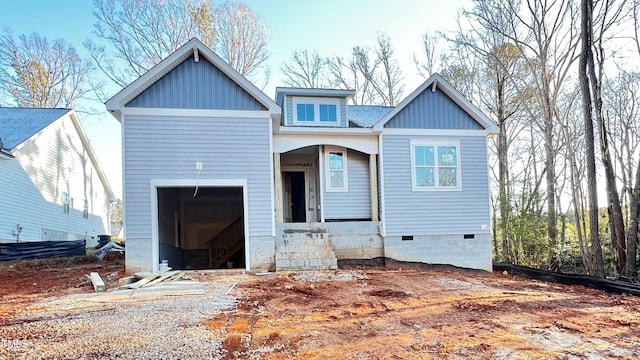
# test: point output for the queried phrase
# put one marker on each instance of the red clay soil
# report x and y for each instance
(23, 282)
(427, 314)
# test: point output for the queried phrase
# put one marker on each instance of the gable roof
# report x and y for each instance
(322, 92)
(366, 115)
(437, 81)
(19, 124)
(117, 103)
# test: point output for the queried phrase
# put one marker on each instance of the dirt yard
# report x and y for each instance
(47, 312)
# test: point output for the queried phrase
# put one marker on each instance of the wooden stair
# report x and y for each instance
(228, 242)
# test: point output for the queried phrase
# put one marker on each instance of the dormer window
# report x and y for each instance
(309, 111)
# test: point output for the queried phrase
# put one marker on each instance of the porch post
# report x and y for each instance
(278, 182)
(373, 184)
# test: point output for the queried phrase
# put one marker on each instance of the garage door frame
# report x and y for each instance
(203, 183)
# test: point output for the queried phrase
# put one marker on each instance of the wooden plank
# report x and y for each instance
(127, 280)
(142, 274)
(141, 282)
(164, 277)
(373, 184)
(98, 284)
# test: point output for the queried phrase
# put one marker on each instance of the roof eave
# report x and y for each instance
(115, 105)
(437, 81)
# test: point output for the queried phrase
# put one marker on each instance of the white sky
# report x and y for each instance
(328, 26)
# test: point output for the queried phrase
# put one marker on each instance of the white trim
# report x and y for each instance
(435, 143)
(316, 102)
(436, 132)
(321, 174)
(314, 92)
(246, 114)
(452, 93)
(383, 206)
(116, 104)
(124, 180)
(287, 142)
(154, 184)
(272, 185)
(325, 130)
(345, 169)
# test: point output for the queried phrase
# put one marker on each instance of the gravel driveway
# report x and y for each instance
(75, 327)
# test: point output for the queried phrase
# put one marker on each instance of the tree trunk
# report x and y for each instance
(631, 269)
(585, 54)
(503, 169)
(552, 230)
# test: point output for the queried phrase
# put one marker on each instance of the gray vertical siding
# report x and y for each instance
(196, 85)
(435, 212)
(433, 110)
(288, 116)
(356, 203)
(162, 147)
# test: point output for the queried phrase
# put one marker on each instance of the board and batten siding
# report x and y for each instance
(167, 147)
(433, 110)
(288, 118)
(435, 212)
(196, 85)
(52, 162)
(355, 203)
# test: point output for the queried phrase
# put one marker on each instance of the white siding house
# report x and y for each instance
(52, 186)
(217, 174)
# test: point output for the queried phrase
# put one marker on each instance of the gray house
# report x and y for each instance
(217, 174)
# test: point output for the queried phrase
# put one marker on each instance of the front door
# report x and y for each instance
(294, 196)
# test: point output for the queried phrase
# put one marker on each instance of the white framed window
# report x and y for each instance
(336, 165)
(316, 111)
(85, 209)
(66, 202)
(435, 165)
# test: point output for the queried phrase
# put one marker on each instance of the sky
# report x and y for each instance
(332, 27)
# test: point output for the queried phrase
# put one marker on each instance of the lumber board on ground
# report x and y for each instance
(97, 282)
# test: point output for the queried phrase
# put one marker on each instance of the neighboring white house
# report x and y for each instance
(217, 174)
(52, 186)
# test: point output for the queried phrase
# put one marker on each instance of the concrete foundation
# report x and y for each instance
(451, 249)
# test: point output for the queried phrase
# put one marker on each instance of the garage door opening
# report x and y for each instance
(201, 229)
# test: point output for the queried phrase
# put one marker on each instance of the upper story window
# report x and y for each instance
(336, 169)
(316, 111)
(435, 165)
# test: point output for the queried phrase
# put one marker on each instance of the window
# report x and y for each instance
(316, 111)
(304, 112)
(65, 202)
(85, 209)
(336, 169)
(435, 165)
(328, 113)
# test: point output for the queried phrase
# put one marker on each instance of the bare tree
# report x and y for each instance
(543, 33)
(139, 34)
(134, 35)
(388, 84)
(586, 59)
(242, 38)
(37, 73)
(433, 57)
(305, 69)
(373, 73)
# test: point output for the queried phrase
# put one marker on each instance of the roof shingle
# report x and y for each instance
(19, 124)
